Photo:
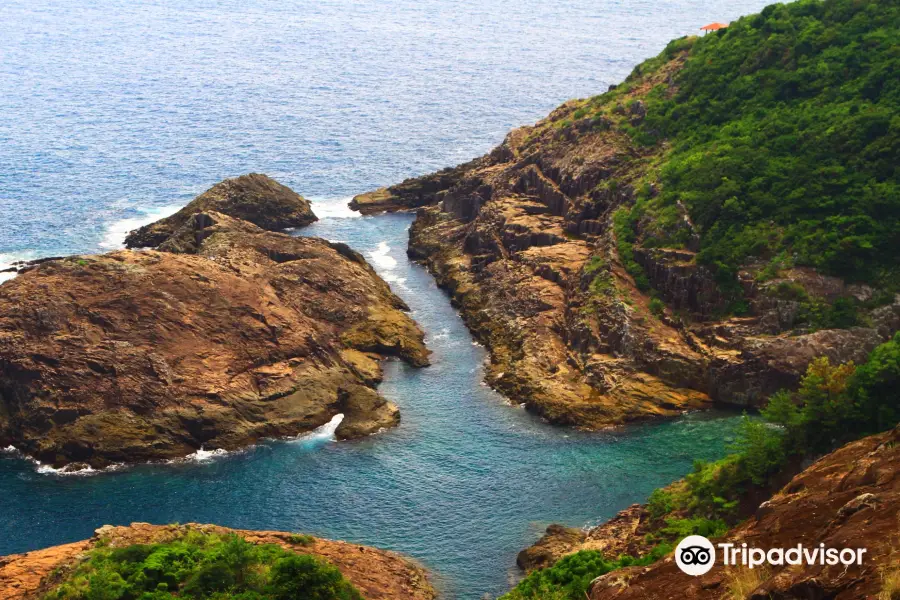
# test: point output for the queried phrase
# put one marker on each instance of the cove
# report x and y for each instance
(463, 484)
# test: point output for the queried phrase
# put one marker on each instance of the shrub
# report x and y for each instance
(677, 529)
(761, 449)
(570, 577)
(305, 577)
(301, 539)
(874, 389)
(660, 503)
(202, 567)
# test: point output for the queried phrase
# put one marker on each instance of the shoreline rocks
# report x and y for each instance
(378, 574)
(225, 335)
(849, 498)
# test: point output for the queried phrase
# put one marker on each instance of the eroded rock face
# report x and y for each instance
(524, 239)
(255, 198)
(377, 574)
(233, 334)
(847, 499)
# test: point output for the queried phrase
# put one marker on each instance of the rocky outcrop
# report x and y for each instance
(624, 534)
(585, 325)
(228, 335)
(255, 198)
(377, 574)
(847, 499)
(409, 194)
(556, 542)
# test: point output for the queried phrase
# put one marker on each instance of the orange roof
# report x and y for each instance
(714, 26)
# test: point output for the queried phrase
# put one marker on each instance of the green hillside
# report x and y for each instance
(782, 140)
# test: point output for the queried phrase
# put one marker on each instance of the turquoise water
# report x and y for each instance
(118, 111)
(463, 484)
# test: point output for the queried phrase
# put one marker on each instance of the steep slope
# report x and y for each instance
(655, 248)
(377, 574)
(847, 499)
(232, 335)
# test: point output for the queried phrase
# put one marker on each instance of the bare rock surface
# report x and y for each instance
(232, 335)
(255, 198)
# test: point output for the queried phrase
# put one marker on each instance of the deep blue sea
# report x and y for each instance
(114, 112)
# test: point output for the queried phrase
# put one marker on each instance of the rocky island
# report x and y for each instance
(225, 334)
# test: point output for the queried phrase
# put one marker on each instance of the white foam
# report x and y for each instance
(73, 469)
(326, 208)
(381, 256)
(202, 455)
(7, 260)
(114, 238)
(323, 432)
(444, 334)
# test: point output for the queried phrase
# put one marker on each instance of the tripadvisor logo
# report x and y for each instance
(696, 555)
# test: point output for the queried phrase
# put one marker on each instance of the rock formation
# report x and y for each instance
(255, 198)
(847, 499)
(377, 574)
(525, 240)
(225, 335)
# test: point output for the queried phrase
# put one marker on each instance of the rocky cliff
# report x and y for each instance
(377, 574)
(590, 319)
(847, 499)
(224, 335)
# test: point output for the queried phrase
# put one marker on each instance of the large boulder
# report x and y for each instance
(234, 334)
(256, 198)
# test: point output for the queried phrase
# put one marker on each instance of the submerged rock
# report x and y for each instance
(377, 574)
(255, 198)
(227, 335)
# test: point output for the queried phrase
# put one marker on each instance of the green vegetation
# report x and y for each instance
(624, 224)
(838, 403)
(833, 404)
(301, 539)
(785, 135)
(781, 139)
(203, 567)
(569, 577)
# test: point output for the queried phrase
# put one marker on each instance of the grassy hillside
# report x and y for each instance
(782, 141)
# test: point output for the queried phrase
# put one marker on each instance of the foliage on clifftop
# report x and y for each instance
(780, 137)
(786, 134)
(203, 567)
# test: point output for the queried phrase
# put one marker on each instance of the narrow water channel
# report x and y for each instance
(463, 484)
